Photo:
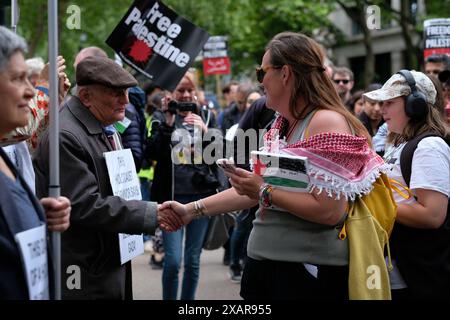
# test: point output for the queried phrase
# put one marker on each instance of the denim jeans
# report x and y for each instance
(145, 192)
(145, 188)
(239, 237)
(173, 245)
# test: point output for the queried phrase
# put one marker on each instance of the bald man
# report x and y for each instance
(89, 52)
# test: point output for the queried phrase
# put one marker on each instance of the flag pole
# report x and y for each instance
(54, 187)
(14, 15)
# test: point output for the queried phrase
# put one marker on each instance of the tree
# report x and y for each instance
(411, 23)
(249, 24)
(97, 22)
(356, 11)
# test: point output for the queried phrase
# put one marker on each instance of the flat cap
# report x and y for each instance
(104, 71)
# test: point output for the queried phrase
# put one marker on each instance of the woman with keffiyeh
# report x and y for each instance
(296, 253)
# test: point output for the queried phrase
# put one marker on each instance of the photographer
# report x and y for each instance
(181, 174)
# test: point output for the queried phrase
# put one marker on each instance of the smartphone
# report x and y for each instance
(227, 165)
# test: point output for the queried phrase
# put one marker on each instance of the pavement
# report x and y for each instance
(214, 282)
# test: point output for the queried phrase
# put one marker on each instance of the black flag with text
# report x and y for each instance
(157, 42)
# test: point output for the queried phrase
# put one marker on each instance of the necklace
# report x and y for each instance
(291, 130)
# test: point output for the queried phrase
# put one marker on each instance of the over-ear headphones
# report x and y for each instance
(416, 106)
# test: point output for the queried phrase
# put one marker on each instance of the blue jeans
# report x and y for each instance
(173, 245)
(145, 188)
(239, 237)
(145, 192)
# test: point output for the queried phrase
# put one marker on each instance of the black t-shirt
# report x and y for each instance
(257, 117)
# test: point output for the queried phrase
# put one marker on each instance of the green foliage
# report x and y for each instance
(249, 24)
(97, 22)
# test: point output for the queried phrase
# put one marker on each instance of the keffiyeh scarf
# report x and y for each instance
(340, 164)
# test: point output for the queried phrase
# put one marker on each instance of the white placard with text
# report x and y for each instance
(33, 250)
(125, 184)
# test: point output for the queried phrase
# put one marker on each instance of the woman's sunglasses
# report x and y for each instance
(261, 72)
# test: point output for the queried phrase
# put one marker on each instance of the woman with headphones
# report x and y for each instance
(420, 242)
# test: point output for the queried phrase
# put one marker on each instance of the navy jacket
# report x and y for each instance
(12, 277)
(134, 136)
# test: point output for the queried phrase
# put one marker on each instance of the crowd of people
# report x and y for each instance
(291, 252)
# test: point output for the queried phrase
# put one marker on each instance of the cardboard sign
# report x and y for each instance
(437, 36)
(216, 66)
(157, 42)
(125, 184)
(33, 250)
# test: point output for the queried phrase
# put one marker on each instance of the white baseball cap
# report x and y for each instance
(397, 86)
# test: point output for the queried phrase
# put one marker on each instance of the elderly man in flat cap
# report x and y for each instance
(91, 245)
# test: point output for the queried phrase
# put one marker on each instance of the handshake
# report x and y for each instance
(172, 215)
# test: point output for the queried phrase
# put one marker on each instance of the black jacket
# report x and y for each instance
(257, 117)
(231, 117)
(134, 135)
(97, 217)
(365, 120)
(159, 148)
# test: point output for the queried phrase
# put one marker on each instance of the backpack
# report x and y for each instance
(422, 255)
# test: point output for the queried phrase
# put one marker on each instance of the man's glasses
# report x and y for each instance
(344, 81)
(433, 72)
(261, 72)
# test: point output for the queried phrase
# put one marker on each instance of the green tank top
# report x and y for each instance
(282, 236)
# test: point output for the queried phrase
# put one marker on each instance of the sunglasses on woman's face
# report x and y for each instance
(261, 72)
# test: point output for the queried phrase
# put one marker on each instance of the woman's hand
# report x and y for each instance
(196, 120)
(180, 209)
(168, 220)
(57, 212)
(245, 182)
(170, 118)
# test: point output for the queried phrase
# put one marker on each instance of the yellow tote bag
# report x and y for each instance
(368, 226)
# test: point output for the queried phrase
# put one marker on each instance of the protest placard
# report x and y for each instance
(156, 41)
(437, 36)
(125, 184)
(32, 245)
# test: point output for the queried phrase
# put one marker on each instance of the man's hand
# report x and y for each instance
(57, 212)
(63, 87)
(63, 80)
(180, 209)
(168, 220)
